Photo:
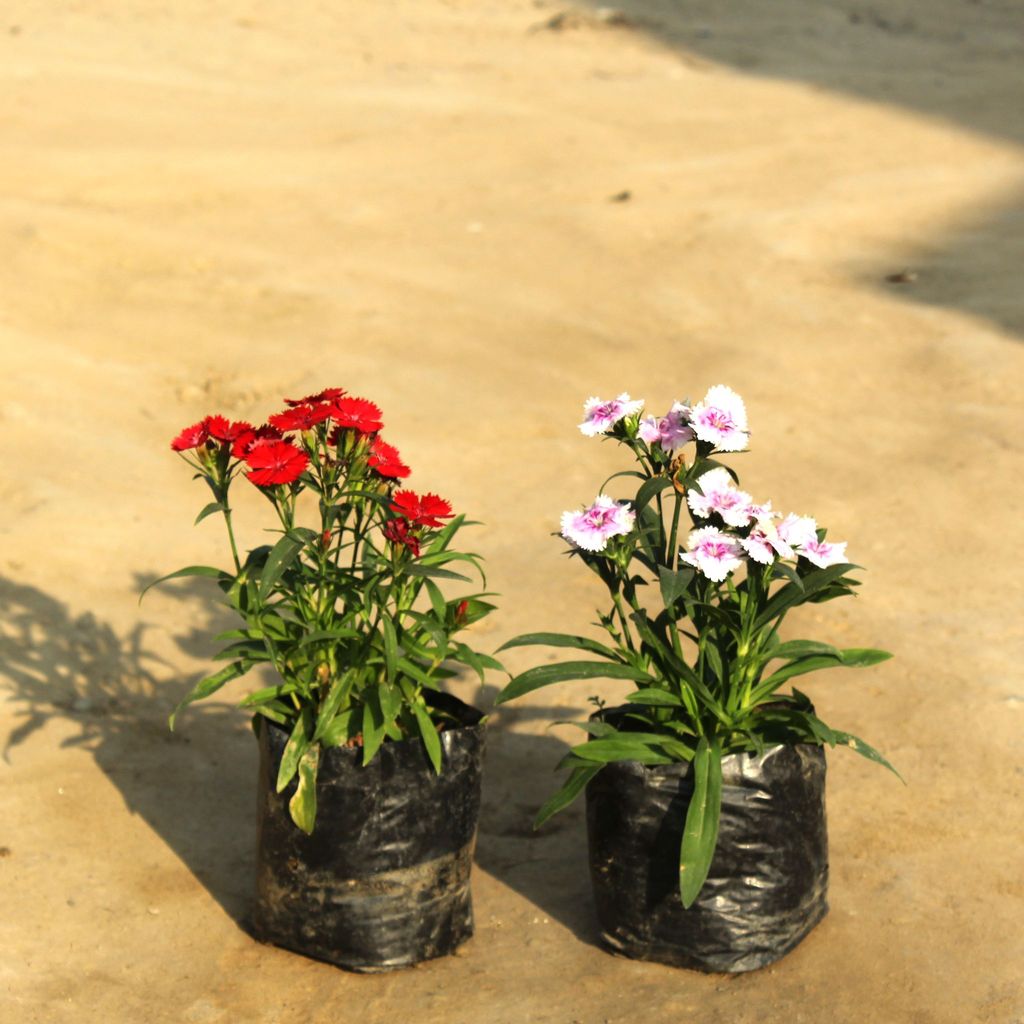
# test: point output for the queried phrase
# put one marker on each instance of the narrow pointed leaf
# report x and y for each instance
(572, 788)
(282, 554)
(845, 739)
(580, 643)
(191, 570)
(544, 675)
(302, 805)
(431, 741)
(209, 685)
(297, 745)
(209, 510)
(700, 834)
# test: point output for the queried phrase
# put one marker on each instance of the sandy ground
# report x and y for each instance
(206, 206)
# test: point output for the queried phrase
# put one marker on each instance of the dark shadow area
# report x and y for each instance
(957, 61)
(548, 867)
(196, 787)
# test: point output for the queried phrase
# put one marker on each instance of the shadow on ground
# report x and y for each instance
(196, 788)
(957, 61)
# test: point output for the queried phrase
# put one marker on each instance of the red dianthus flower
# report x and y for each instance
(386, 461)
(327, 395)
(428, 510)
(357, 414)
(399, 532)
(275, 462)
(220, 429)
(247, 438)
(300, 417)
(191, 437)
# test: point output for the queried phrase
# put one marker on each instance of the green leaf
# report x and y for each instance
(192, 570)
(297, 745)
(437, 601)
(544, 675)
(336, 731)
(390, 648)
(845, 739)
(572, 788)
(799, 649)
(431, 741)
(209, 685)
(373, 727)
(655, 697)
(302, 805)
(673, 584)
(853, 657)
(861, 657)
(647, 748)
(268, 694)
(319, 635)
(337, 694)
(700, 834)
(414, 569)
(793, 593)
(208, 510)
(282, 554)
(648, 490)
(581, 643)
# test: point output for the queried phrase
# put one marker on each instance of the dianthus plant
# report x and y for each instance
(701, 576)
(348, 612)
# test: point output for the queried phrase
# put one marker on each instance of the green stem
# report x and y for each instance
(231, 536)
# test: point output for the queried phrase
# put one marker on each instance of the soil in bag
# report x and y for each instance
(383, 881)
(767, 887)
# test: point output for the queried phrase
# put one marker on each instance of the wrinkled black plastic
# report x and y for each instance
(383, 881)
(768, 883)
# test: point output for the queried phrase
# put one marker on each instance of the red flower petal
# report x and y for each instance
(384, 458)
(398, 532)
(247, 438)
(357, 414)
(191, 437)
(327, 395)
(275, 462)
(220, 429)
(426, 511)
(301, 417)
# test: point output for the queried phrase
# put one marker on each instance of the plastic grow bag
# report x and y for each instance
(383, 881)
(768, 883)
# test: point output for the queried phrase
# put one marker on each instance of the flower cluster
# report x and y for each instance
(729, 527)
(278, 452)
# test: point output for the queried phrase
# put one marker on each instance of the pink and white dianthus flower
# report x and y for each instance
(798, 531)
(721, 419)
(822, 554)
(671, 431)
(720, 494)
(600, 416)
(712, 552)
(591, 528)
(763, 542)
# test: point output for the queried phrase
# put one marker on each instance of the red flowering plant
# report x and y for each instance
(350, 612)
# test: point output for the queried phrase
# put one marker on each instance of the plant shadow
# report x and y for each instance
(548, 867)
(195, 788)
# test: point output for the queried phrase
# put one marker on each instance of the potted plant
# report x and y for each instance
(369, 778)
(705, 789)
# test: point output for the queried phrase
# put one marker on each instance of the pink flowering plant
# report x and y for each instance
(346, 605)
(701, 577)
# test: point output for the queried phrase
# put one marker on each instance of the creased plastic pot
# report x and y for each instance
(383, 881)
(768, 883)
